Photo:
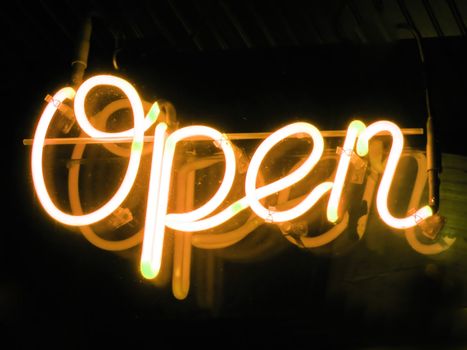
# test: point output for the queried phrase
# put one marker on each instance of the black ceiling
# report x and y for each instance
(36, 28)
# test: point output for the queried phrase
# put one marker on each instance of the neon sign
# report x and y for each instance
(212, 214)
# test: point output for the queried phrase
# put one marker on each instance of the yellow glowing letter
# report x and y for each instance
(386, 181)
(254, 194)
(155, 227)
(138, 137)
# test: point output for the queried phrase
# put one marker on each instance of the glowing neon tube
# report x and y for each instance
(210, 222)
(37, 154)
(354, 129)
(151, 254)
(386, 181)
(154, 233)
(254, 195)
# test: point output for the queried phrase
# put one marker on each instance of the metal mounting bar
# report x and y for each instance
(231, 136)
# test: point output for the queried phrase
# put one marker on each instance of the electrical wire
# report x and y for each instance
(434, 166)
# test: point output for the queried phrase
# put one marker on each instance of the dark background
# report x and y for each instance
(238, 66)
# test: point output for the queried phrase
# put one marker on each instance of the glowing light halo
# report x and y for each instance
(388, 174)
(254, 194)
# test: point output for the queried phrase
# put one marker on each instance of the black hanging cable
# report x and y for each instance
(117, 49)
(80, 61)
(433, 156)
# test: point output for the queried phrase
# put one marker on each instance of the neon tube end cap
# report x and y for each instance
(432, 226)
